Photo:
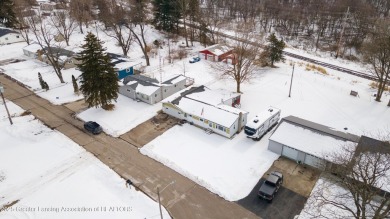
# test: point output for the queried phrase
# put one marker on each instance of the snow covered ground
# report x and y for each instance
(229, 168)
(53, 177)
(325, 99)
(127, 114)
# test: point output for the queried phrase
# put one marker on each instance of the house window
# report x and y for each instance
(6, 38)
(211, 125)
(175, 85)
(128, 70)
(201, 120)
(228, 131)
(165, 90)
(220, 127)
(128, 90)
(17, 37)
(155, 95)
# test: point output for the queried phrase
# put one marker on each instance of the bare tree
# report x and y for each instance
(81, 11)
(64, 24)
(118, 25)
(356, 185)
(139, 20)
(377, 53)
(45, 36)
(22, 11)
(243, 64)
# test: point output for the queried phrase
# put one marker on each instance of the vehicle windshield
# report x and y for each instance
(269, 183)
(250, 130)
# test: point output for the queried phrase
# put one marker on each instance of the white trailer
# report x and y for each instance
(262, 123)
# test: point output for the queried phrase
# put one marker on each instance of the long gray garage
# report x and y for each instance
(307, 142)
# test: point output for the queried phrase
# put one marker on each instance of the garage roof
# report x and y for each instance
(308, 140)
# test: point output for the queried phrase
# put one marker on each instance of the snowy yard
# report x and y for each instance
(26, 72)
(229, 168)
(48, 173)
(127, 114)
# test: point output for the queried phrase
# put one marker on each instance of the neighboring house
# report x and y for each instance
(216, 53)
(123, 66)
(307, 142)
(150, 90)
(32, 50)
(209, 109)
(8, 36)
(66, 57)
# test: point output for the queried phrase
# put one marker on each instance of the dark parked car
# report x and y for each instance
(194, 59)
(271, 186)
(93, 127)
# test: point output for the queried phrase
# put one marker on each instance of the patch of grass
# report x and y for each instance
(109, 107)
(315, 68)
(374, 85)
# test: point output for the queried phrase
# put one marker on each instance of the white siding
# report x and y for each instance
(11, 38)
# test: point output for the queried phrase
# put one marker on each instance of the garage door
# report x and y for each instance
(290, 152)
(314, 161)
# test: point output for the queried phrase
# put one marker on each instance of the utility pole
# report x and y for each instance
(342, 32)
(292, 75)
(158, 195)
(6, 108)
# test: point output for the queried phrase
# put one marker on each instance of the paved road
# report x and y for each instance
(183, 199)
(285, 205)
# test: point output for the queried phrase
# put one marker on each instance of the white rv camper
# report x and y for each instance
(262, 123)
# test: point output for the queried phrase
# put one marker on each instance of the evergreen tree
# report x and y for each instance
(275, 49)
(166, 15)
(41, 80)
(75, 85)
(7, 13)
(43, 83)
(99, 82)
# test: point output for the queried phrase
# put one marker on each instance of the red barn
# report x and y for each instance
(216, 53)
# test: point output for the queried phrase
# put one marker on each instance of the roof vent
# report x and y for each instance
(271, 110)
(256, 121)
(345, 128)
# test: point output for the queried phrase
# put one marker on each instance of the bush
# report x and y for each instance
(109, 107)
(374, 85)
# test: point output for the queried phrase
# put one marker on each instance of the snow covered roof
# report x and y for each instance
(217, 49)
(199, 102)
(174, 79)
(211, 113)
(321, 128)
(213, 97)
(307, 140)
(260, 118)
(148, 85)
(5, 31)
(33, 47)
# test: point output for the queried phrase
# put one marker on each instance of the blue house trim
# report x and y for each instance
(125, 72)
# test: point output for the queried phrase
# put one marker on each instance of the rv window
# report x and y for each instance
(201, 120)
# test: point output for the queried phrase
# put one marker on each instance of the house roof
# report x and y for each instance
(33, 47)
(367, 144)
(59, 51)
(321, 128)
(196, 102)
(5, 31)
(147, 85)
(308, 140)
(213, 97)
(120, 62)
(217, 49)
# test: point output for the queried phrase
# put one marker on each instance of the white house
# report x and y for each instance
(150, 90)
(209, 109)
(8, 36)
(32, 50)
(307, 142)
